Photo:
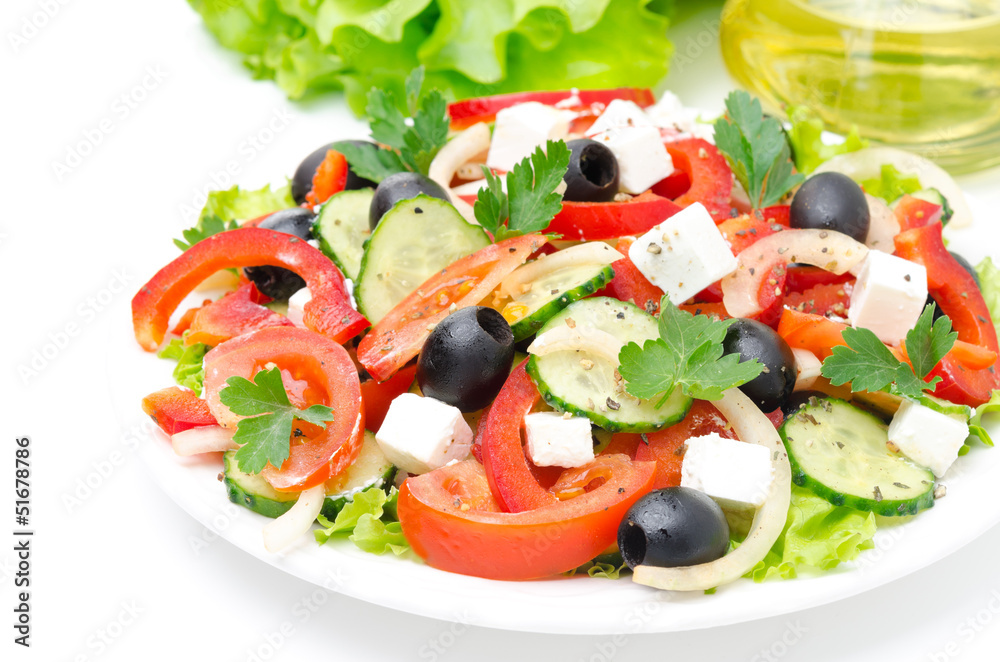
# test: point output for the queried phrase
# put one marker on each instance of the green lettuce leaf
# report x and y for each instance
(817, 534)
(369, 520)
(977, 429)
(236, 204)
(469, 47)
(989, 285)
(806, 139)
(190, 371)
(892, 184)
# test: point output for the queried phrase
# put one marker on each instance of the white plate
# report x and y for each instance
(565, 605)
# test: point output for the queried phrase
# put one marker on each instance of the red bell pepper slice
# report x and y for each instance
(630, 285)
(328, 313)
(377, 396)
(175, 409)
(330, 178)
(960, 299)
(233, 315)
(711, 177)
(452, 522)
(666, 446)
(916, 213)
(467, 112)
(184, 323)
(598, 221)
(333, 381)
(399, 335)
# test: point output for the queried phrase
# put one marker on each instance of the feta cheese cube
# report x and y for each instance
(889, 296)
(642, 158)
(727, 469)
(296, 306)
(520, 129)
(679, 121)
(618, 115)
(928, 437)
(422, 434)
(684, 254)
(555, 441)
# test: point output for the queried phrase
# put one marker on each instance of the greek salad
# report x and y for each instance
(588, 331)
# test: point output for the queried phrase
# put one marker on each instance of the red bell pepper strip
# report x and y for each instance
(328, 313)
(960, 299)
(467, 112)
(673, 185)
(598, 221)
(711, 177)
(916, 213)
(330, 178)
(184, 323)
(175, 409)
(233, 315)
(399, 335)
(378, 396)
(630, 285)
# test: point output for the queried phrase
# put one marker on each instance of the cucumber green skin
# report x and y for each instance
(885, 507)
(272, 508)
(324, 245)
(528, 326)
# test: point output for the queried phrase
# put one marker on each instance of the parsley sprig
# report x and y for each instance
(207, 227)
(413, 142)
(688, 354)
(531, 200)
(867, 364)
(266, 436)
(756, 149)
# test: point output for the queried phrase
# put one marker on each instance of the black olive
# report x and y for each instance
(831, 201)
(797, 400)
(673, 527)
(402, 186)
(755, 340)
(302, 180)
(467, 358)
(276, 282)
(593, 172)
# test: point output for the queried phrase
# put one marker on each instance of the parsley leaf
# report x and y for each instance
(868, 365)
(412, 144)
(207, 227)
(688, 354)
(265, 438)
(756, 149)
(531, 200)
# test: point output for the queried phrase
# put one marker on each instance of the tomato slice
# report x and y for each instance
(630, 285)
(448, 518)
(597, 221)
(822, 299)
(330, 178)
(398, 337)
(233, 315)
(328, 313)
(467, 112)
(327, 368)
(507, 467)
(711, 177)
(666, 446)
(175, 409)
(377, 396)
(801, 277)
(743, 230)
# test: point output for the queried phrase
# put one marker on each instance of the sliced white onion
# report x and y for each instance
(594, 252)
(288, 528)
(752, 427)
(205, 439)
(807, 369)
(867, 163)
(456, 153)
(582, 338)
(833, 251)
(883, 228)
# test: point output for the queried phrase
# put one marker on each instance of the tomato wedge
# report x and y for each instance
(329, 313)
(175, 409)
(399, 335)
(822, 299)
(629, 284)
(328, 369)
(711, 177)
(744, 230)
(233, 315)
(666, 446)
(507, 467)
(448, 518)
(378, 396)
(467, 112)
(597, 221)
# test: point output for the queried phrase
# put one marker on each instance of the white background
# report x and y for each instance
(119, 571)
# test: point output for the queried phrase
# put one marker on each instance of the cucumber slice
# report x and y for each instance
(414, 240)
(529, 311)
(371, 469)
(566, 385)
(342, 229)
(841, 453)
